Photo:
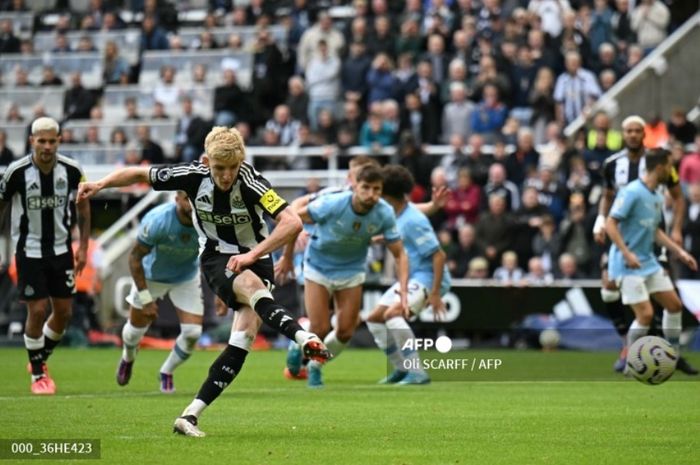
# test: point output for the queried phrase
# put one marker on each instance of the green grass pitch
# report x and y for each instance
(265, 419)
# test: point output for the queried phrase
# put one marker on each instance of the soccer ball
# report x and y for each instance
(651, 360)
(549, 339)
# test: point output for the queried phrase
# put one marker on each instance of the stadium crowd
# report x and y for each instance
(495, 80)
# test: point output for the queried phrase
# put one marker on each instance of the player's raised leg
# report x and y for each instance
(222, 372)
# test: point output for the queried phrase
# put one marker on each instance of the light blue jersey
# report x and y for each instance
(340, 239)
(174, 247)
(638, 211)
(421, 243)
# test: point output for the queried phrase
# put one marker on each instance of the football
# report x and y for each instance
(651, 360)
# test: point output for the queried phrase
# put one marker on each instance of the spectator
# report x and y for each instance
(411, 155)
(77, 100)
(575, 90)
(478, 268)
(153, 36)
(92, 136)
(546, 243)
(166, 91)
(690, 165)
(457, 114)
(61, 45)
(13, 114)
(527, 220)
(499, 185)
(622, 26)
(376, 133)
(523, 75)
(550, 13)
(494, 229)
(551, 192)
(327, 130)
(509, 273)
(460, 256)
(406, 76)
(381, 82)
(567, 269)
(601, 28)
(525, 159)
(437, 57)
(353, 73)
(151, 151)
(602, 130)
(463, 202)
(269, 73)
(298, 99)
(382, 40)
(191, 130)
(231, 103)
(322, 30)
(159, 112)
(117, 137)
(415, 119)
(49, 78)
(650, 20)
(607, 59)
(679, 128)
(116, 68)
(536, 273)
(132, 109)
(428, 91)
(542, 103)
(283, 125)
(575, 234)
(9, 43)
(655, 133)
(6, 154)
(323, 82)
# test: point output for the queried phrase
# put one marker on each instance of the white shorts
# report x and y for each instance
(636, 289)
(333, 284)
(417, 296)
(186, 296)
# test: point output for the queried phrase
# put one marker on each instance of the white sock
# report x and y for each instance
(386, 344)
(334, 344)
(34, 344)
(184, 345)
(195, 408)
(131, 336)
(636, 331)
(672, 326)
(301, 336)
(51, 334)
(401, 332)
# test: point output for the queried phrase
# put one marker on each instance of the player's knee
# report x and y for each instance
(608, 295)
(191, 333)
(344, 334)
(247, 282)
(674, 306)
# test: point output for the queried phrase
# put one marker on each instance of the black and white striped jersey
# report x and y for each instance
(228, 222)
(619, 170)
(42, 211)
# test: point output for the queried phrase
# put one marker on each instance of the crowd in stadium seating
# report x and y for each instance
(496, 80)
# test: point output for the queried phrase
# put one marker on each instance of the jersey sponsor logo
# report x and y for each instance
(40, 203)
(271, 201)
(164, 174)
(223, 218)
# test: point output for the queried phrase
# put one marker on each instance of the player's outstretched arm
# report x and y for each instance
(150, 309)
(436, 203)
(665, 240)
(120, 178)
(434, 298)
(80, 259)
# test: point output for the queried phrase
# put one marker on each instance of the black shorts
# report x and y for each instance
(220, 280)
(38, 278)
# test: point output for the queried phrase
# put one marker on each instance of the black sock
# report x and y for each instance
(221, 373)
(36, 359)
(49, 345)
(616, 312)
(277, 317)
(656, 327)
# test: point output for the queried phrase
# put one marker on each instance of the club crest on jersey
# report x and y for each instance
(61, 183)
(237, 202)
(164, 174)
(356, 226)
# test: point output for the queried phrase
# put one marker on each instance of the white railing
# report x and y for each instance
(654, 61)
